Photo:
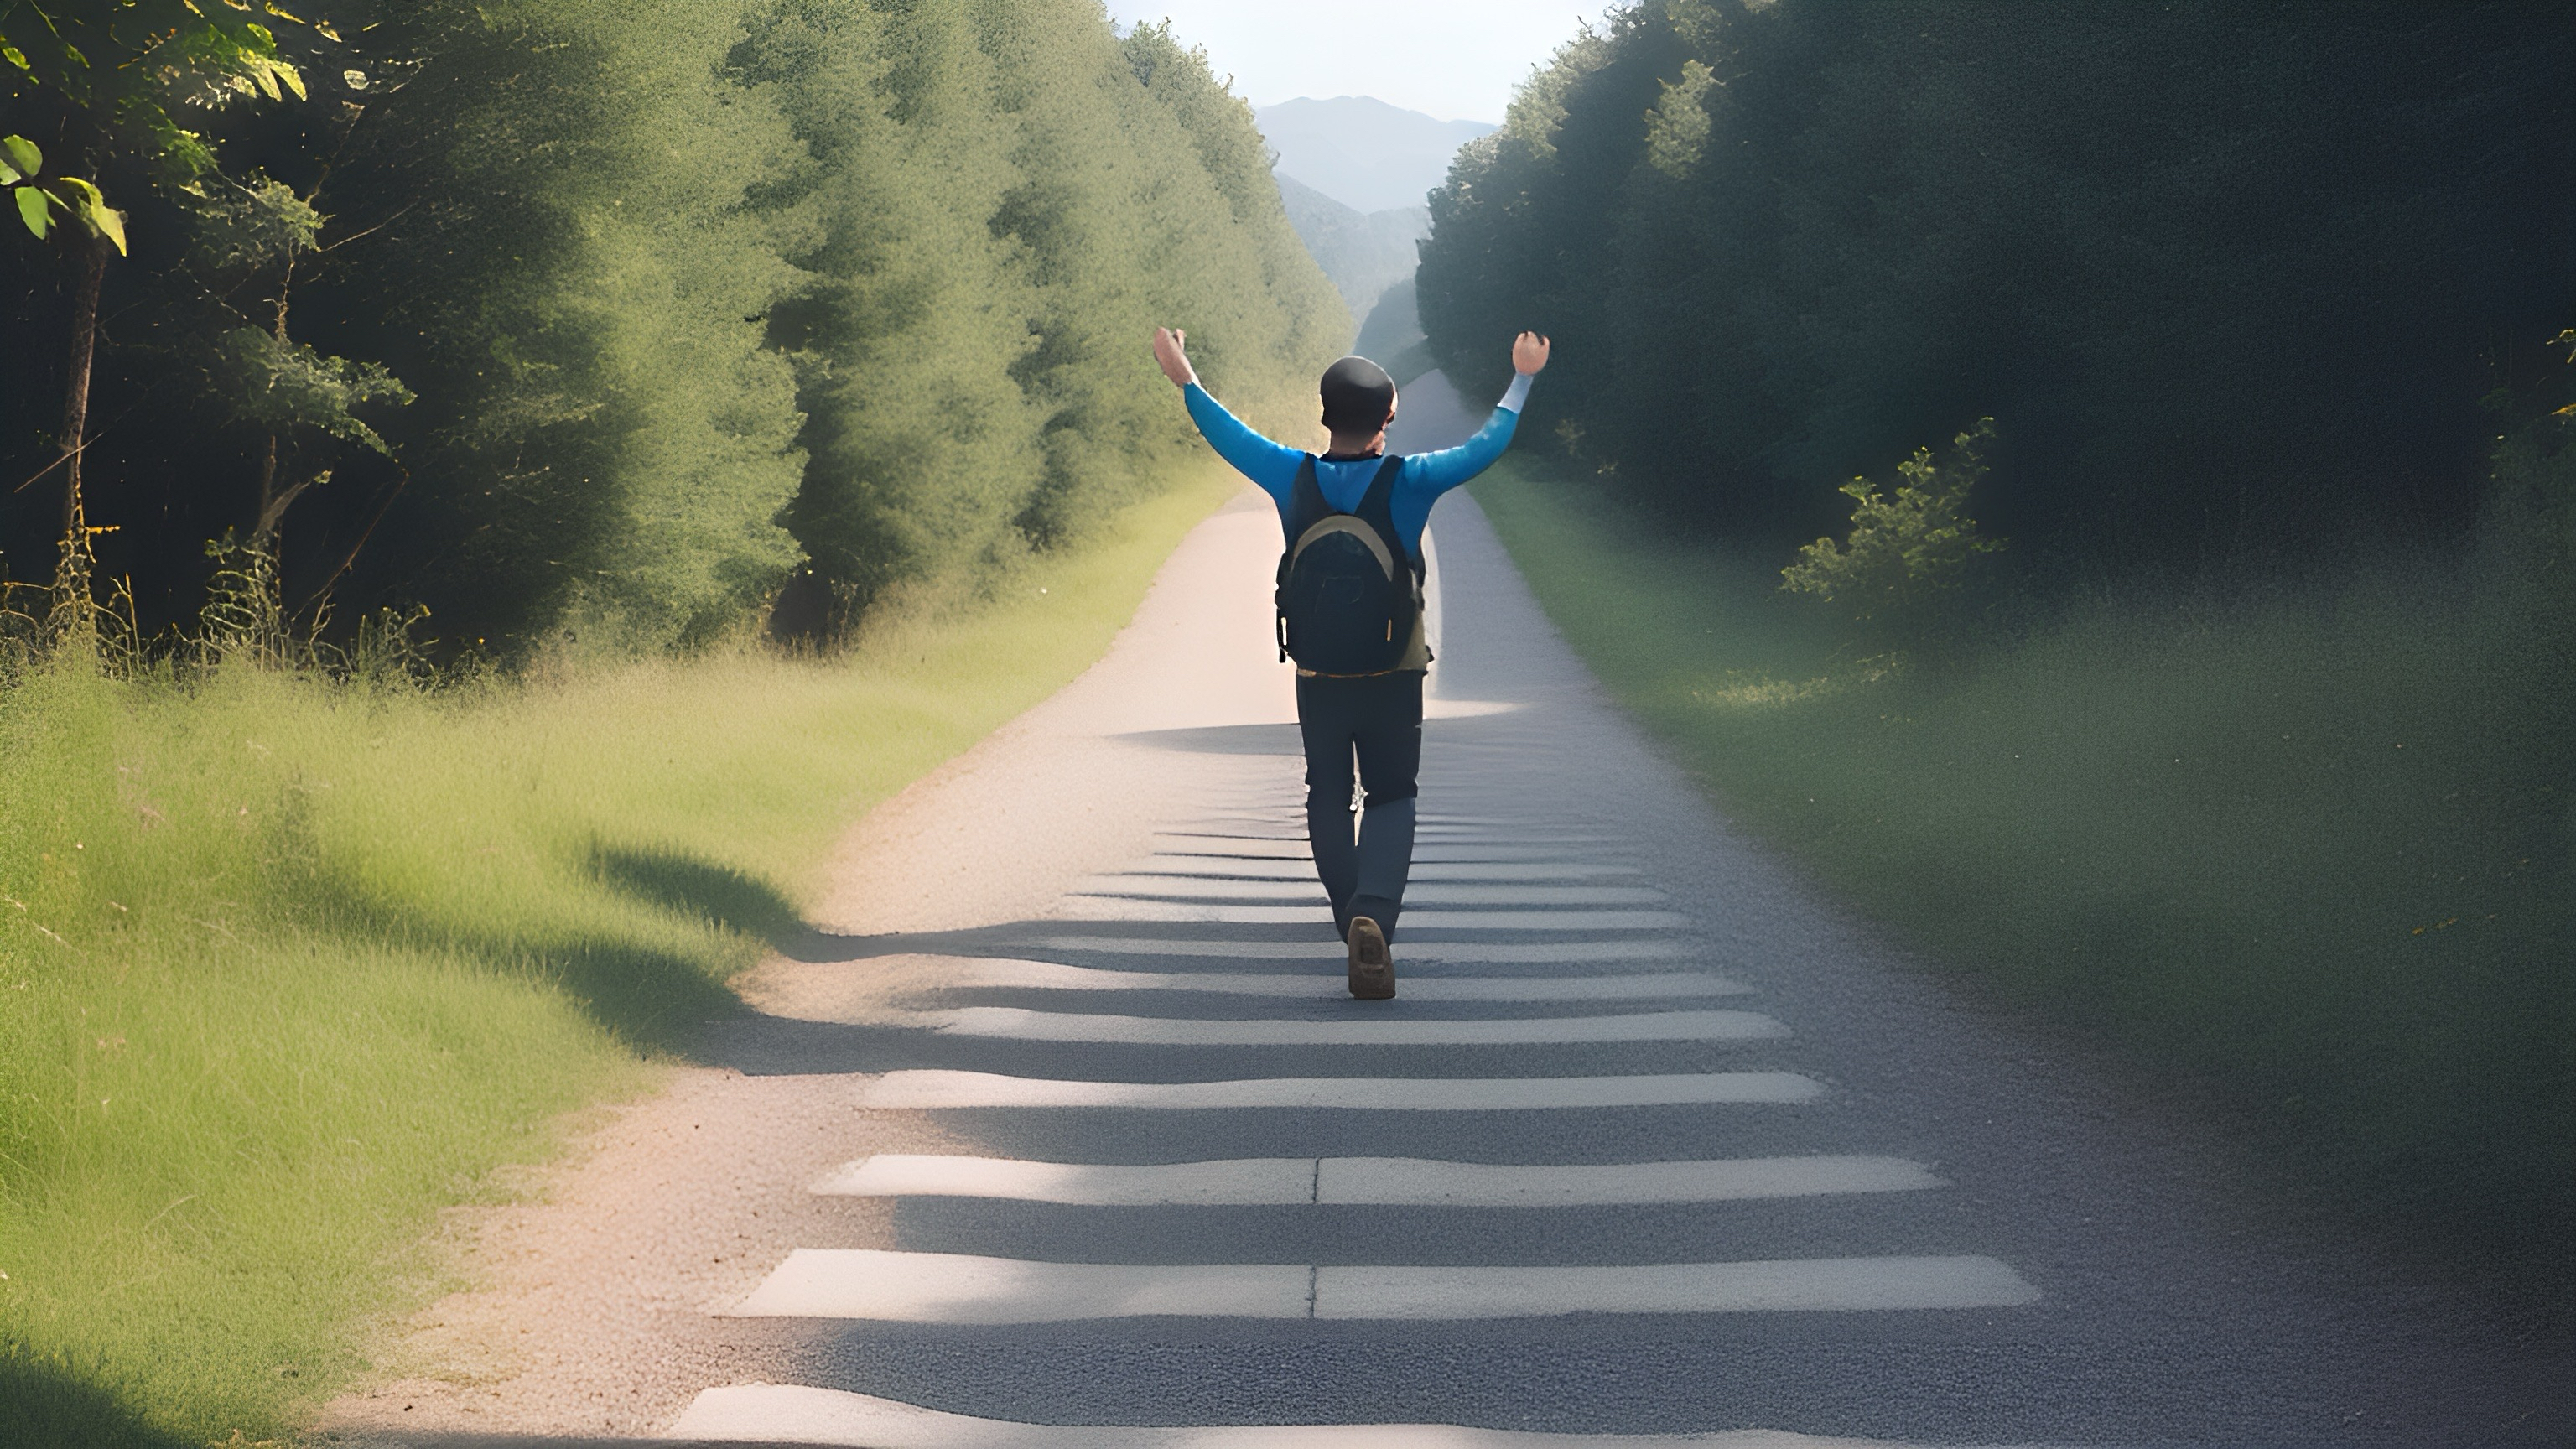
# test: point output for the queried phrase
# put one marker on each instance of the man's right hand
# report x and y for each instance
(1169, 356)
(1529, 353)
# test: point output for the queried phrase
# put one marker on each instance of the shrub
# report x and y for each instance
(1908, 567)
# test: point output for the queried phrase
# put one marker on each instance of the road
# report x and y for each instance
(1061, 1117)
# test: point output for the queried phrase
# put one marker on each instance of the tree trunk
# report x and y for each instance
(266, 518)
(71, 605)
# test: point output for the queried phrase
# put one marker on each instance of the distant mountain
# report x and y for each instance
(1362, 255)
(1364, 153)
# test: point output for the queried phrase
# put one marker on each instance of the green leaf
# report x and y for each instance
(106, 221)
(86, 192)
(31, 210)
(14, 56)
(23, 154)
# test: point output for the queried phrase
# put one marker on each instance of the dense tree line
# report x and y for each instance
(618, 316)
(2228, 277)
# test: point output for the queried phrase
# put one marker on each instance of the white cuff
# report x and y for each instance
(1516, 394)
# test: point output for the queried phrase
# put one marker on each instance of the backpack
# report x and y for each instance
(1350, 602)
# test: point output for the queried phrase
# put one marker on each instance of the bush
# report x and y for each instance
(1909, 567)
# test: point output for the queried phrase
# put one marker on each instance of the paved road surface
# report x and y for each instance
(1067, 1121)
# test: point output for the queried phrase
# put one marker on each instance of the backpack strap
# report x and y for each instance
(1377, 510)
(1306, 505)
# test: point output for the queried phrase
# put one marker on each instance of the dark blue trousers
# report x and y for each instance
(1373, 722)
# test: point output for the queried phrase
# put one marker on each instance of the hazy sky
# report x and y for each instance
(1455, 59)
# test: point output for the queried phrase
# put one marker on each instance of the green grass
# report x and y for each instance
(287, 967)
(2307, 851)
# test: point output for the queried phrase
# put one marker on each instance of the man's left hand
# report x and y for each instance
(1169, 356)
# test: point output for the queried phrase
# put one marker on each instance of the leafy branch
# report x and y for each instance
(1912, 550)
(38, 197)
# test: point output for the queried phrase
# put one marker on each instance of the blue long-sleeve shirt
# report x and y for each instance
(1424, 477)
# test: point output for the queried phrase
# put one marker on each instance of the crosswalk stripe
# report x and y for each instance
(1379, 1181)
(931, 1089)
(1561, 920)
(1265, 868)
(1168, 842)
(1180, 887)
(1126, 908)
(1272, 848)
(1440, 893)
(1846, 1285)
(1435, 893)
(1021, 1024)
(794, 1414)
(891, 1286)
(1462, 952)
(1122, 908)
(1445, 851)
(1291, 832)
(990, 972)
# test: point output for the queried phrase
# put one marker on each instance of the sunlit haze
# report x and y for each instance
(1455, 59)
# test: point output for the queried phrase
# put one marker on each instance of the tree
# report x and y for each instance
(2233, 276)
(114, 70)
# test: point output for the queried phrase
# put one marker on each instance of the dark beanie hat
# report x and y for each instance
(1358, 396)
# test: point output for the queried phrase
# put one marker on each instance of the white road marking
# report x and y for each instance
(1522, 870)
(1264, 868)
(924, 1089)
(1436, 893)
(991, 972)
(1278, 847)
(1240, 1182)
(1540, 921)
(1844, 1285)
(1536, 832)
(957, 1288)
(1021, 1024)
(1168, 842)
(1370, 1181)
(1444, 851)
(1451, 951)
(792, 1414)
(1245, 867)
(888, 1286)
(1417, 1182)
(1121, 908)
(1124, 908)
(1197, 888)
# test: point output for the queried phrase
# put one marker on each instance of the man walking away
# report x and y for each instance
(1350, 614)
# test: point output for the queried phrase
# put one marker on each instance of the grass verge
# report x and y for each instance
(286, 967)
(2311, 847)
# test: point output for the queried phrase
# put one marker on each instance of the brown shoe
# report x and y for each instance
(1372, 967)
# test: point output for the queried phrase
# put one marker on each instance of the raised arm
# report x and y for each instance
(1441, 471)
(1271, 465)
